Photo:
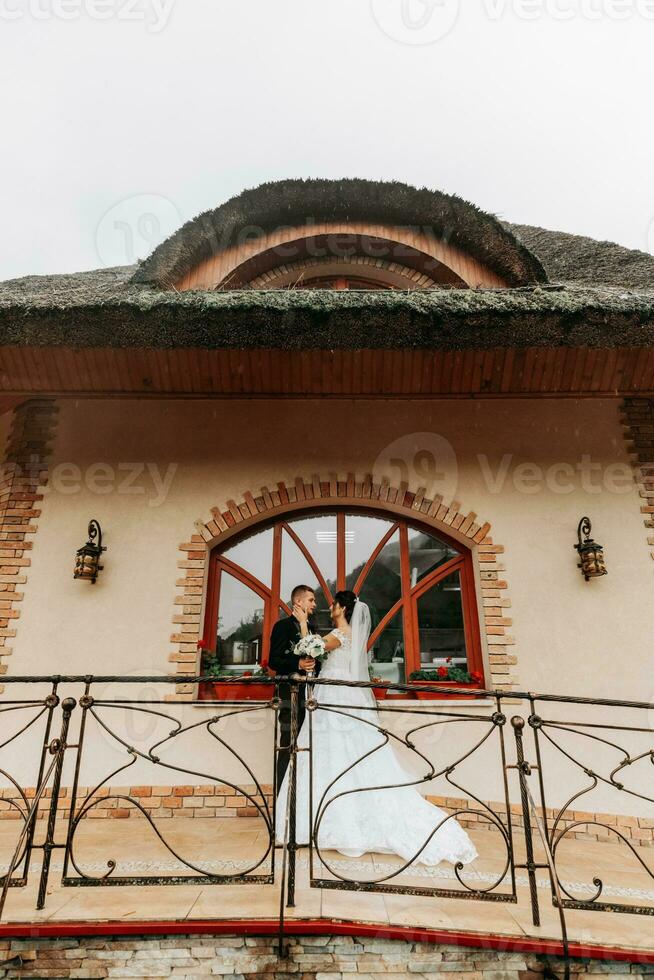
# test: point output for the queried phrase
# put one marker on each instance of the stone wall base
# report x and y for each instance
(326, 957)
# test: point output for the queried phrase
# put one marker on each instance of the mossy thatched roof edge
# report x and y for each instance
(104, 309)
(297, 202)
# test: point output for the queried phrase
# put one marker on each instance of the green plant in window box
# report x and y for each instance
(214, 668)
(211, 663)
(450, 676)
(239, 689)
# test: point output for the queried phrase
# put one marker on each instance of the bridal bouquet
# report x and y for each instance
(311, 645)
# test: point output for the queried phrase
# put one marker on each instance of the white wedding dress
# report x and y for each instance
(398, 820)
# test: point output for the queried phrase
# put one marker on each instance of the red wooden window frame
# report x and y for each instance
(273, 601)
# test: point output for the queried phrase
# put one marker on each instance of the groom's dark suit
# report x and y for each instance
(284, 636)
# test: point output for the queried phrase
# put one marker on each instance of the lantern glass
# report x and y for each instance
(591, 554)
(593, 561)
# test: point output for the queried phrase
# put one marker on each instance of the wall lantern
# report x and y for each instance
(87, 559)
(590, 553)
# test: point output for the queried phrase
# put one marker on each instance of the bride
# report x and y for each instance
(363, 800)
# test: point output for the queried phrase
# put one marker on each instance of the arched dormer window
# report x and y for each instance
(341, 234)
(419, 586)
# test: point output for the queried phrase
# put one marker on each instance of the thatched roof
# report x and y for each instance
(105, 309)
(575, 258)
(298, 202)
(600, 294)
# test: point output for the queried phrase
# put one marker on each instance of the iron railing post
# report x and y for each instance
(57, 748)
(292, 791)
(287, 884)
(85, 703)
(524, 770)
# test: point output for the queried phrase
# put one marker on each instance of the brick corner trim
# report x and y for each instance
(306, 495)
(638, 421)
(24, 473)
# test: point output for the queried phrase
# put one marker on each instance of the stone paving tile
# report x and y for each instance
(231, 845)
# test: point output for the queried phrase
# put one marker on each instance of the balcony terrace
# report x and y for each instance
(524, 774)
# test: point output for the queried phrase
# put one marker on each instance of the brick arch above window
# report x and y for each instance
(267, 504)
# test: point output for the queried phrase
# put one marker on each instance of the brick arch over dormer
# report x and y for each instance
(239, 265)
(267, 504)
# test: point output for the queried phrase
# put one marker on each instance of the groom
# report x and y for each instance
(285, 634)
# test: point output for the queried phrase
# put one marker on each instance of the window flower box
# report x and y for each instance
(448, 679)
(242, 691)
(444, 691)
(238, 688)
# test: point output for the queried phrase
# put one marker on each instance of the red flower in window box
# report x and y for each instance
(443, 673)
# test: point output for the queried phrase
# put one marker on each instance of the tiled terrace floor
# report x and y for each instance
(226, 846)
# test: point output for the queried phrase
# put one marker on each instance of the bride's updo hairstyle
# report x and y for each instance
(346, 600)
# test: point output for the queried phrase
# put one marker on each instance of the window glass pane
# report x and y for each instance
(240, 624)
(254, 554)
(388, 651)
(296, 570)
(427, 553)
(362, 535)
(318, 535)
(382, 586)
(440, 624)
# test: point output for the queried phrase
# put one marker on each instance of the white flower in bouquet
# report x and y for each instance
(311, 645)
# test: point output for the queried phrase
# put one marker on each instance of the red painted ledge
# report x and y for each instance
(319, 927)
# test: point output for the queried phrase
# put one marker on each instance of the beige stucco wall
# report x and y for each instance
(572, 637)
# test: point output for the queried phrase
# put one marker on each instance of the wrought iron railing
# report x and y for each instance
(527, 745)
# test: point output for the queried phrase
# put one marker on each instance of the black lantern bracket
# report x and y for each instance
(87, 558)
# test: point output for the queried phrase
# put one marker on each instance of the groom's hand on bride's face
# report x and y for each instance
(300, 614)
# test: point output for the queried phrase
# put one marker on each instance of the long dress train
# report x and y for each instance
(398, 820)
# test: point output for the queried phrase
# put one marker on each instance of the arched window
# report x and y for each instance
(418, 583)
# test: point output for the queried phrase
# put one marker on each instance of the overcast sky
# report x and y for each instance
(123, 118)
